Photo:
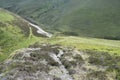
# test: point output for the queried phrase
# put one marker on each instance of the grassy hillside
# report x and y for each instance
(14, 33)
(72, 18)
(91, 18)
(82, 43)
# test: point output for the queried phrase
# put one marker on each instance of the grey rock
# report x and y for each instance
(52, 62)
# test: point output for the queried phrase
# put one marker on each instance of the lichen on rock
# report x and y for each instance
(54, 62)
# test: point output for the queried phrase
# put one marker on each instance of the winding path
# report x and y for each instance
(40, 31)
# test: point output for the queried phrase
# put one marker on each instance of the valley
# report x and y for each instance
(59, 40)
(86, 18)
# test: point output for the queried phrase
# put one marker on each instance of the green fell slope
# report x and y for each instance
(91, 18)
(14, 33)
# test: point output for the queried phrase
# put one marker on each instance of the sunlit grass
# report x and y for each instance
(4, 16)
(111, 46)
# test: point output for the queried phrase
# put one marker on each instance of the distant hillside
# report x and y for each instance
(93, 18)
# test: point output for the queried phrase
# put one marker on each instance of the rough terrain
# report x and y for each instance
(54, 62)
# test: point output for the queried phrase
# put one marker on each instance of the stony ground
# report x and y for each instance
(54, 62)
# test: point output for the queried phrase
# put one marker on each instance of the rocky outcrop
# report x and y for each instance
(53, 62)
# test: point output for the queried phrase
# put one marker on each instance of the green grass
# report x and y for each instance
(14, 34)
(82, 43)
(4, 16)
(110, 46)
(10, 34)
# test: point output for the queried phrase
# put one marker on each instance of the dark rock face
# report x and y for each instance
(52, 62)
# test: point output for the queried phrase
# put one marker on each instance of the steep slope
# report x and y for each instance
(93, 18)
(53, 62)
(13, 31)
(10, 32)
